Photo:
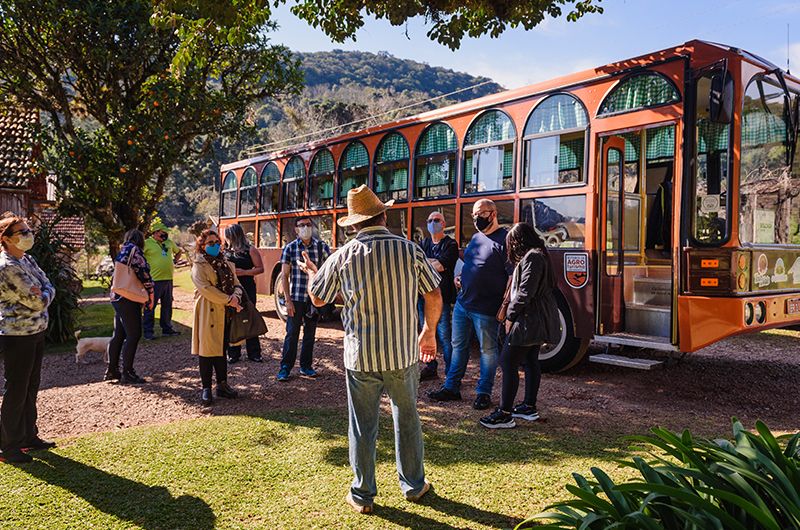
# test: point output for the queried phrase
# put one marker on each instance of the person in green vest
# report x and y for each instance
(161, 253)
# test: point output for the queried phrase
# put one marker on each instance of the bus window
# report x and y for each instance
(711, 180)
(561, 221)
(343, 235)
(270, 188)
(294, 184)
(353, 169)
(631, 182)
(637, 92)
(769, 206)
(320, 177)
(489, 154)
(287, 230)
(555, 138)
(323, 228)
(268, 233)
(419, 221)
(248, 192)
(397, 222)
(658, 190)
(391, 168)
(227, 202)
(505, 216)
(435, 162)
(249, 229)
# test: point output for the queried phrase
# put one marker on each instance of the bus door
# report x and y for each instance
(611, 289)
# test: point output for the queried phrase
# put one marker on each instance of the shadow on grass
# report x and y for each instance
(446, 507)
(150, 507)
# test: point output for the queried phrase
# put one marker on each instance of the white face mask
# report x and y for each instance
(25, 243)
(304, 232)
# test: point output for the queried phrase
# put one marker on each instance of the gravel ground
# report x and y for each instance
(749, 377)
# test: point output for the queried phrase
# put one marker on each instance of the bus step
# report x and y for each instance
(626, 362)
(637, 341)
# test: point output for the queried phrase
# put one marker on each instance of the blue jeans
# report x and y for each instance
(444, 332)
(485, 327)
(162, 293)
(364, 391)
(293, 323)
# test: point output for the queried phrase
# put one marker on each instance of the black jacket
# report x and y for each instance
(533, 308)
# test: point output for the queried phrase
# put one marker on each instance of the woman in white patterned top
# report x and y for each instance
(24, 299)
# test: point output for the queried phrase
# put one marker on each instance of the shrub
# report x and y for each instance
(750, 482)
(54, 256)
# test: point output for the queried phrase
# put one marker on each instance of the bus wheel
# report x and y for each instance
(279, 297)
(569, 350)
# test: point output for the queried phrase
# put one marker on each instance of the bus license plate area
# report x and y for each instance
(793, 306)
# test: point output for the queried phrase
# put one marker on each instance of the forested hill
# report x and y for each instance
(342, 87)
(382, 70)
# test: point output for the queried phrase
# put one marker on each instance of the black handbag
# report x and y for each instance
(247, 323)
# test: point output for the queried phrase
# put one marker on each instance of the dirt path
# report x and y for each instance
(752, 377)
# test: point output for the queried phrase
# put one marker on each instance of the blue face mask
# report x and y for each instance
(212, 250)
(435, 228)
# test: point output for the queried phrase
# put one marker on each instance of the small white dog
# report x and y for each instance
(98, 344)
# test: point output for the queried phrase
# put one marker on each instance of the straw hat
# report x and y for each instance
(362, 204)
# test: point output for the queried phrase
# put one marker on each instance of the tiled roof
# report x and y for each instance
(72, 229)
(16, 147)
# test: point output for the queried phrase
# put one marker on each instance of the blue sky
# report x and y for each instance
(556, 47)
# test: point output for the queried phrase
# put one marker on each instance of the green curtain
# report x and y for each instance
(633, 144)
(271, 173)
(760, 127)
(492, 126)
(639, 92)
(353, 180)
(556, 113)
(295, 169)
(713, 135)
(660, 143)
(438, 138)
(322, 163)
(355, 156)
(391, 179)
(393, 147)
(230, 181)
(435, 173)
(468, 168)
(570, 154)
(508, 162)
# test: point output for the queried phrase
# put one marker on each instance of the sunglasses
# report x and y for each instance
(437, 221)
(25, 232)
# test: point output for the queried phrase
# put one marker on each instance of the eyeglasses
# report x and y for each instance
(212, 242)
(437, 221)
(303, 225)
(24, 232)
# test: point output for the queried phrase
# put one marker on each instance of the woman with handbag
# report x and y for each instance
(531, 319)
(131, 290)
(218, 292)
(24, 299)
(248, 263)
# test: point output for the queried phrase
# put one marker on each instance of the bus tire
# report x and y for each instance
(279, 298)
(570, 349)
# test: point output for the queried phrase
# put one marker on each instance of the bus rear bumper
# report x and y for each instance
(704, 320)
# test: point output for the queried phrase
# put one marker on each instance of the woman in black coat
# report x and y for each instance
(530, 320)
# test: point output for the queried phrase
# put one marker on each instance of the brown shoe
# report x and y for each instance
(416, 498)
(366, 510)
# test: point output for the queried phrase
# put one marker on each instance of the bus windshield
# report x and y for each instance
(769, 202)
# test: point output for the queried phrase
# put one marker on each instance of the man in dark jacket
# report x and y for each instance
(442, 253)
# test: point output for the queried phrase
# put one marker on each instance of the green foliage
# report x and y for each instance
(750, 482)
(129, 90)
(53, 255)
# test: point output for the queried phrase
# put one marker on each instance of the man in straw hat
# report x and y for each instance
(380, 276)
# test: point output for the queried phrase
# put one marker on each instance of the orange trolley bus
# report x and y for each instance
(666, 188)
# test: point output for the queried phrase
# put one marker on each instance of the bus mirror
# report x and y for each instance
(721, 98)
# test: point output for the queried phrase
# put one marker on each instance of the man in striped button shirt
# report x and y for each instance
(380, 276)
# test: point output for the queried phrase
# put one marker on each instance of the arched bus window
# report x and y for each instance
(391, 168)
(555, 140)
(769, 205)
(227, 198)
(248, 192)
(435, 162)
(294, 185)
(640, 91)
(320, 180)
(489, 154)
(270, 188)
(353, 169)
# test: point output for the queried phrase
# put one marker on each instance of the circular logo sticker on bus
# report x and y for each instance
(763, 264)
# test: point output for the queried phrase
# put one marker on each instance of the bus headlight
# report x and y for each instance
(761, 312)
(748, 313)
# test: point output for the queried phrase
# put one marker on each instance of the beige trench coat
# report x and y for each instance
(208, 333)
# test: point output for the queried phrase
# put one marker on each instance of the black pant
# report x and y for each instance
(127, 332)
(510, 359)
(162, 293)
(209, 365)
(293, 324)
(253, 344)
(22, 358)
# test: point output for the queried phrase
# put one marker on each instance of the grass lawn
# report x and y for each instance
(290, 470)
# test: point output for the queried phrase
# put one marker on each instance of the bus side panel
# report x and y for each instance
(272, 263)
(580, 299)
(704, 320)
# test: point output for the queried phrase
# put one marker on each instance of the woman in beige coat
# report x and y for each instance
(217, 289)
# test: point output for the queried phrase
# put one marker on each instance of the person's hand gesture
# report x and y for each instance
(307, 266)
(427, 345)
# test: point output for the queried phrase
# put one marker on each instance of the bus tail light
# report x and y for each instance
(748, 313)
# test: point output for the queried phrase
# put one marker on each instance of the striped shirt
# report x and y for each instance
(380, 276)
